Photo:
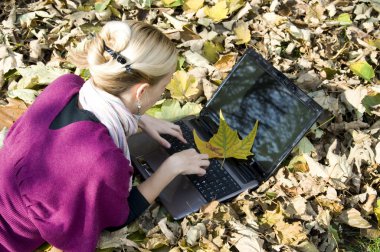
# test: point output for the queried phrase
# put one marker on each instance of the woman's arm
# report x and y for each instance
(184, 162)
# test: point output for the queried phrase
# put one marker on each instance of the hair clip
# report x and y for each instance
(117, 56)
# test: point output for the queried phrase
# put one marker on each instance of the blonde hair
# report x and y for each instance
(150, 54)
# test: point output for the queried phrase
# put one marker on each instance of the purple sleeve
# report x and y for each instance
(72, 209)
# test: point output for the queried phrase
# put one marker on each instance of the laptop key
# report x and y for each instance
(216, 184)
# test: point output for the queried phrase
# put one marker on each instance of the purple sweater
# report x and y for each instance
(62, 186)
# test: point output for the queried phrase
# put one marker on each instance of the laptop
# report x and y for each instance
(253, 90)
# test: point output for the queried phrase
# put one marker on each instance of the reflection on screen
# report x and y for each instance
(252, 94)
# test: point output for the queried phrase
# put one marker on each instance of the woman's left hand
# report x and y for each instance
(154, 127)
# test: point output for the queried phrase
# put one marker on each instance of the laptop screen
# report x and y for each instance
(251, 94)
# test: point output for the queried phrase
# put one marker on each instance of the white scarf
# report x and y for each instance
(112, 113)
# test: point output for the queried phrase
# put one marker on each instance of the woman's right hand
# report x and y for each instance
(187, 162)
(184, 162)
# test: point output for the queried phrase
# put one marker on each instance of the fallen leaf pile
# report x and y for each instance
(324, 197)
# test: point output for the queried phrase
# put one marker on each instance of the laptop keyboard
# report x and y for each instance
(217, 182)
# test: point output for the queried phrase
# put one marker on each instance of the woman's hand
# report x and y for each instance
(187, 162)
(184, 162)
(154, 127)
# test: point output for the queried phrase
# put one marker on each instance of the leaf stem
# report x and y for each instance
(221, 166)
(328, 120)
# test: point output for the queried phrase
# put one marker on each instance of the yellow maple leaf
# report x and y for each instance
(242, 33)
(226, 143)
(183, 86)
(234, 5)
(192, 5)
(217, 12)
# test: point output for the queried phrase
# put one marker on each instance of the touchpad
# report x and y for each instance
(141, 144)
(156, 158)
(147, 151)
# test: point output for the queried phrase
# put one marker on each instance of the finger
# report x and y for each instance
(204, 163)
(201, 172)
(176, 134)
(179, 135)
(203, 156)
(163, 141)
(192, 150)
(176, 128)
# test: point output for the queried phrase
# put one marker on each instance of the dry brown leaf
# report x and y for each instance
(307, 45)
(332, 205)
(353, 218)
(194, 233)
(371, 200)
(115, 239)
(245, 238)
(210, 208)
(324, 218)
(207, 245)
(156, 241)
(226, 62)
(166, 231)
(11, 112)
(290, 234)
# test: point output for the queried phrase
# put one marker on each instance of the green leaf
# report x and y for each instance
(27, 95)
(38, 75)
(180, 62)
(304, 146)
(145, 3)
(375, 42)
(102, 5)
(377, 212)
(226, 143)
(172, 3)
(10, 74)
(90, 28)
(370, 101)
(115, 12)
(363, 69)
(271, 195)
(330, 72)
(334, 233)
(211, 51)
(344, 19)
(85, 74)
(171, 110)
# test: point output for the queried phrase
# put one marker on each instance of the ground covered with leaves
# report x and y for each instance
(324, 197)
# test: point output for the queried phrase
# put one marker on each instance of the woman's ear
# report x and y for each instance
(141, 89)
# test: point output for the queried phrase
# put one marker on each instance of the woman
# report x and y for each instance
(65, 173)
